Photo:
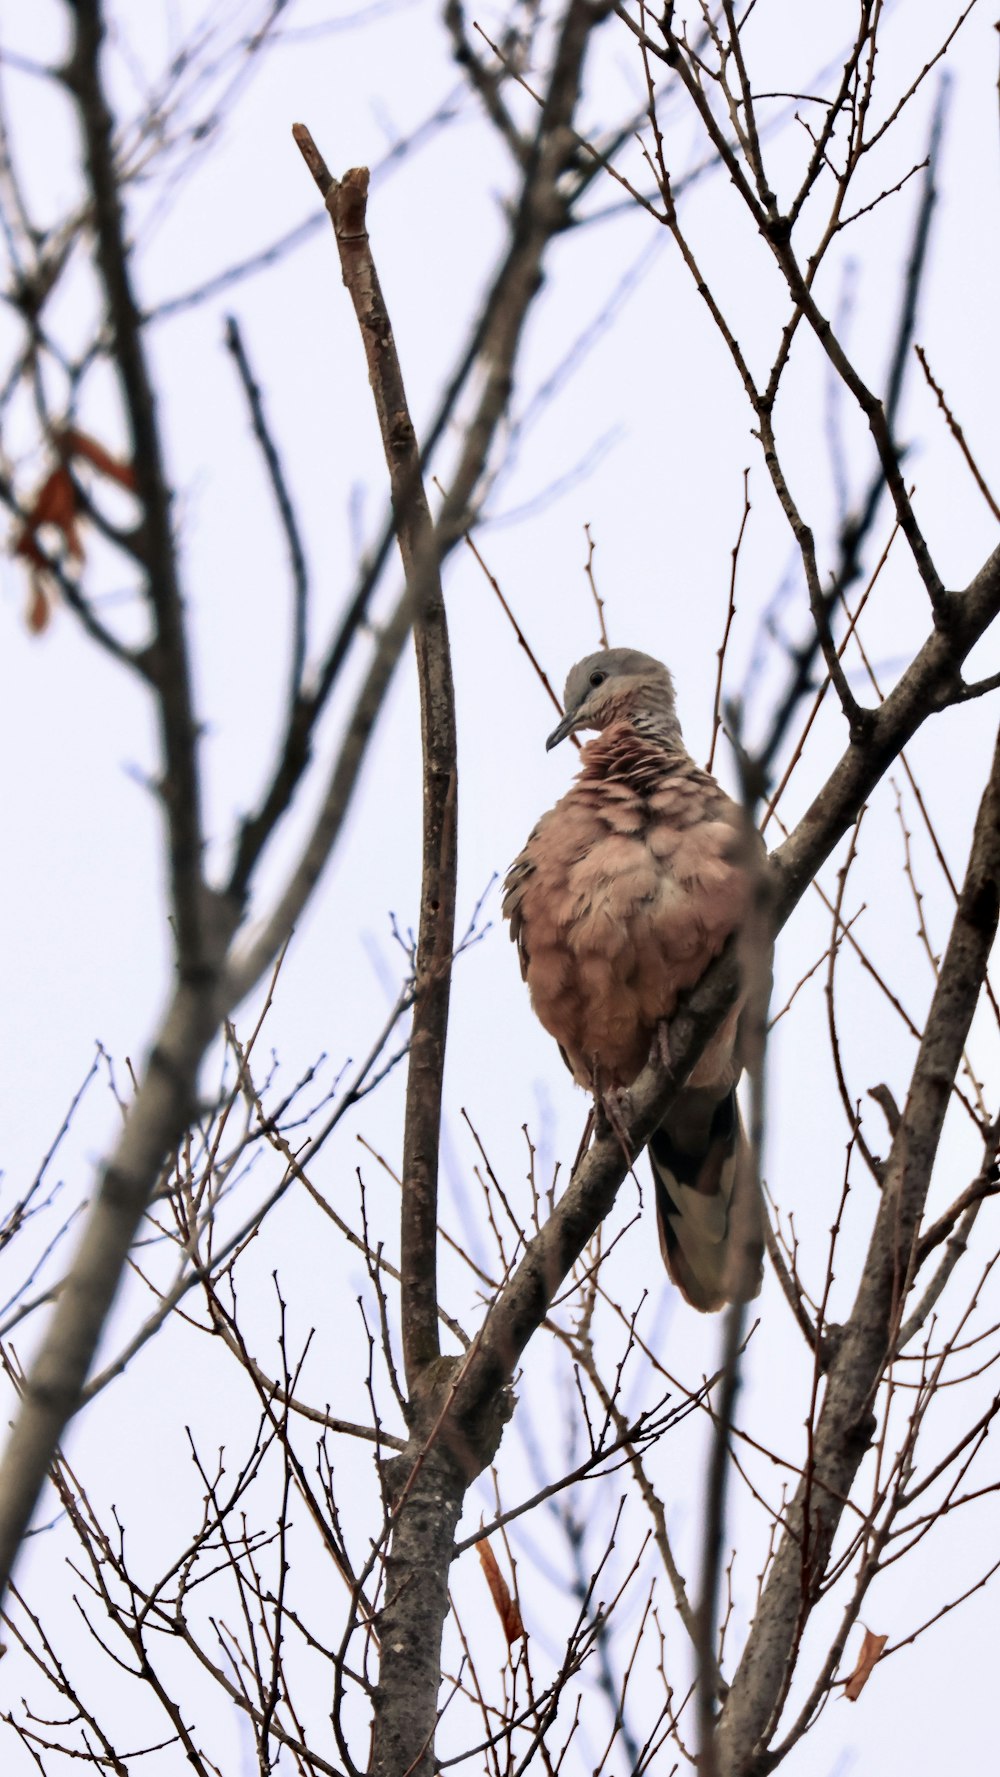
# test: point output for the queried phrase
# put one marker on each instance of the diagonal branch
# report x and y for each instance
(930, 683)
(927, 686)
(53, 1387)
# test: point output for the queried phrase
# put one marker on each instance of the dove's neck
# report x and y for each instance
(660, 727)
(626, 753)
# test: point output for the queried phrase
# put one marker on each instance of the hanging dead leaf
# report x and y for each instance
(80, 444)
(507, 1610)
(871, 1649)
(56, 504)
(39, 604)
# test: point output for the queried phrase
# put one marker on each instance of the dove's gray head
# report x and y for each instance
(620, 685)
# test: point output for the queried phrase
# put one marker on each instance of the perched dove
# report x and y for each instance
(622, 896)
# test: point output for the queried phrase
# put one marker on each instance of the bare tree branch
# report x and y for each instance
(844, 1428)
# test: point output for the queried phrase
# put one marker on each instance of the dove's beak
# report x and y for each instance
(565, 727)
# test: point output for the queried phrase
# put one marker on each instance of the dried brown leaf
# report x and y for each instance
(55, 504)
(871, 1649)
(507, 1610)
(39, 608)
(81, 444)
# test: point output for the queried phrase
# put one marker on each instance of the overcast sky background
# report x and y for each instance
(646, 443)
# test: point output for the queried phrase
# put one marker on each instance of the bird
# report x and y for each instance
(624, 893)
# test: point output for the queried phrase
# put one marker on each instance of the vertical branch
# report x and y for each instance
(747, 1212)
(730, 614)
(427, 1509)
(167, 657)
(707, 1677)
(286, 511)
(346, 202)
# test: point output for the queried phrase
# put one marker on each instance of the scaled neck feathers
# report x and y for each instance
(640, 751)
(660, 727)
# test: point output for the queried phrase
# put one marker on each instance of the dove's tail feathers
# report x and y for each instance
(708, 1204)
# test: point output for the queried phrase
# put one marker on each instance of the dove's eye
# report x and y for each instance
(597, 679)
